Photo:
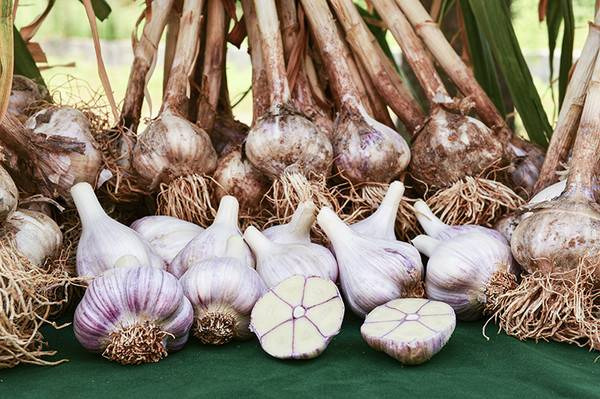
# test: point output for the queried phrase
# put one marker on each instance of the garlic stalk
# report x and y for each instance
(277, 261)
(133, 315)
(298, 318)
(411, 330)
(36, 235)
(212, 242)
(104, 240)
(166, 235)
(381, 223)
(9, 195)
(373, 271)
(25, 94)
(223, 291)
(467, 271)
(297, 230)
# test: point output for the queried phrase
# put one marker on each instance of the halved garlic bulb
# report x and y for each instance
(297, 230)
(9, 195)
(411, 330)
(373, 271)
(104, 240)
(297, 318)
(213, 240)
(382, 222)
(37, 236)
(275, 262)
(166, 235)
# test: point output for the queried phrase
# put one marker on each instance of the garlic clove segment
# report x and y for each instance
(275, 262)
(381, 223)
(223, 292)
(36, 235)
(133, 315)
(166, 235)
(372, 271)
(9, 195)
(467, 271)
(104, 240)
(411, 330)
(212, 242)
(297, 318)
(297, 230)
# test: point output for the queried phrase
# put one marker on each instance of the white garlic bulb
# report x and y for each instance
(36, 235)
(275, 262)
(104, 240)
(297, 318)
(24, 93)
(373, 271)
(9, 195)
(465, 270)
(382, 222)
(213, 240)
(166, 235)
(223, 292)
(411, 330)
(297, 230)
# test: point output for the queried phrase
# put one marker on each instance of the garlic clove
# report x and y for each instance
(297, 230)
(9, 195)
(372, 271)
(104, 240)
(212, 242)
(36, 235)
(381, 223)
(298, 318)
(411, 330)
(166, 235)
(276, 262)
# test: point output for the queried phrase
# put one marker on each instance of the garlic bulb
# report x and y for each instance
(297, 230)
(381, 223)
(24, 94)
(166, 235)
(212, 242)
(9, 195)
(133, 315)
(297, 318)
(526, 161)
(223, 292)
(465, 270)
(37, 236)
(411, 330)
(104, 240)
(275, 261)
(373, 271)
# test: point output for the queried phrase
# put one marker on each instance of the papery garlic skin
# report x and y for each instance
(213, 240)
(9, 195)
(37, 236)
(133, 315)
(372, 271)
(276, 262)
(298, 318)
(24, 93)
(166, 235)
(460, 270)
(551, 192)
(381, 223)
(223, 292)
(411, 330)
(297, 230)
(104, 240)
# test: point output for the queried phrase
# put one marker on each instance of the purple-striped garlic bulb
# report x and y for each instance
(223, 291)
(133, 314)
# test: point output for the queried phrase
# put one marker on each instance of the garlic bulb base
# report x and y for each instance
(215, 328)
(137, 344)
(500, 283)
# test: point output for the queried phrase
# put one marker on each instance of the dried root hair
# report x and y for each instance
(140, 343)
(188, 198)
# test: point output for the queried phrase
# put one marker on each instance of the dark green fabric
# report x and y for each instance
(469, 366)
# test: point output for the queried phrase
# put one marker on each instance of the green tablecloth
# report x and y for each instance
(469, 366)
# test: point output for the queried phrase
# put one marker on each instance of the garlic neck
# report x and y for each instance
(333, 226)
(235, 248)
(302, 220)
(425, 244)
(228, 211)
(384, 218)
(87, 204)
(127, 261)
(257, 241)
(430, 223)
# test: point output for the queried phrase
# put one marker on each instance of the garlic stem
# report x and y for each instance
(302, 220)
(333, 226)
(257, 241)
(228, 211)
(385, 215)
(87, 204)
(427, 219)
(425, 244)
(236, 248)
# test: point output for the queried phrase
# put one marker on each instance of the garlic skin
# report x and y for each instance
(133, 315)
(104, 240)
(166, 235)
(24, 93)
(72, 166)
(372, 271)
(460, 270)
(170, 147)
(411, 330)
(9, 195)
(551, 192)
(223, 292)
(297, 230)
(275, 261)
(212, 242)
(381, 223)
(526, 161)
(37, 236)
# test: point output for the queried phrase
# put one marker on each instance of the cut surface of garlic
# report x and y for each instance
(297, 318)
(411, 330)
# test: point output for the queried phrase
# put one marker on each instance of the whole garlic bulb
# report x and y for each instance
(9, 195)
(104, 240)
(275, 262)
(37, 236)
(465, 270)
(373, 271)
(297, 230)
(133, 315)
(212, 242)
(24, 93)
(223, 292)
(166, 235)
(382, 222)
